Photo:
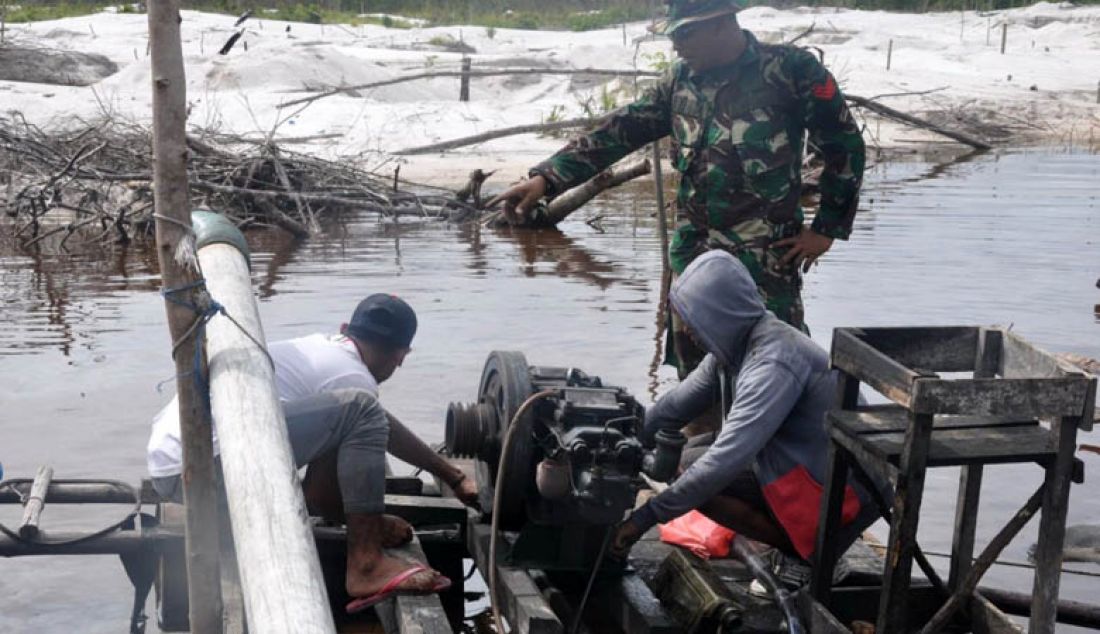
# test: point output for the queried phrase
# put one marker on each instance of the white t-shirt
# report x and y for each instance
(303, 367)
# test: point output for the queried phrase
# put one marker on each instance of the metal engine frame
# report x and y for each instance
(585, 437)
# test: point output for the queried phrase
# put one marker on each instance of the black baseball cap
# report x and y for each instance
(385, 319)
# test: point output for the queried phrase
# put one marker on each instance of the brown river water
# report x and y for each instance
(1010, 239)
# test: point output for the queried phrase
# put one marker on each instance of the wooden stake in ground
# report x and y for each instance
(180, 270)
(464, 85)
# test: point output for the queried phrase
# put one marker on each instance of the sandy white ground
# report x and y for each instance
(1044, 88)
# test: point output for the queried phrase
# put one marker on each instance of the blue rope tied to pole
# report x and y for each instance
(204, 310)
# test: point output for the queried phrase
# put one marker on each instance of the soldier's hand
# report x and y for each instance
(520, 198)
(805, 248)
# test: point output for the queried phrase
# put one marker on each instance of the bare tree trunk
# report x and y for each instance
(180, 270)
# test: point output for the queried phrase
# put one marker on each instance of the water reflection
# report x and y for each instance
(569, 257)
(62, 300)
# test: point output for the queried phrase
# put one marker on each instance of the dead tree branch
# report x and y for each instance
(474, 73)
(898, 115)
(496, 134)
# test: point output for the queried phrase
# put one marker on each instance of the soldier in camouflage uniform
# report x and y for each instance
(736, 111)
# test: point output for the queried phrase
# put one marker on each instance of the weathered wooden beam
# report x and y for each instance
(908, 494)
(1023, 398)
(413, 613)
(933, 348)
(1021, 360)
(990, 352)
(966, 523)
(522, 605)
(858, 358)
(182, 288)
(1052, 528)
(36, 501)
(281, 578)
(826, 551)
(884, 419)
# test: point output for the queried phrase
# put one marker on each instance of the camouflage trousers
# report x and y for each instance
(781, 290)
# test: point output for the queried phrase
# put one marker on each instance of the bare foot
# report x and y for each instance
(363, 583)
(396, 531)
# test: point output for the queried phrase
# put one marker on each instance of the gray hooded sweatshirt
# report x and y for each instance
(782, 388)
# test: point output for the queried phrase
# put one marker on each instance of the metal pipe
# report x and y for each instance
(117, 543)
(72, 492)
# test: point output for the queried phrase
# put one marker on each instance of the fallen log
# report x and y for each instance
(559, 208)
(898, 115)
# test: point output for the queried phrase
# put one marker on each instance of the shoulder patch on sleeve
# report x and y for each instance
(826, 90)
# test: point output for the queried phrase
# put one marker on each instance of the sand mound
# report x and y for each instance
(53, 67)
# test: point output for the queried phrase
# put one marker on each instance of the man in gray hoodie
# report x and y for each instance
(761, 474)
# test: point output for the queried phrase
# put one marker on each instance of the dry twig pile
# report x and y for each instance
(94, 182)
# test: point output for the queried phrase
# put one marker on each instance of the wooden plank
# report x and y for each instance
(951, 447)
(931, 349)
(1021, 360)
(1052, 530)
(908, 493)
(1022, 398)
(413, 613)
(832, 502)
(987, 357)
(870, 419)
(420, 510)
(966, 523)
(857, 358)
(36, 501)
(521, 602)
(990, 352)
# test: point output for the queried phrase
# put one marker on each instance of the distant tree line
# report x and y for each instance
(574, 14)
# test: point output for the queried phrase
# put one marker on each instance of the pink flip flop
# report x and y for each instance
(391, 588)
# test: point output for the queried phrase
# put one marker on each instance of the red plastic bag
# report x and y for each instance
(698, 533)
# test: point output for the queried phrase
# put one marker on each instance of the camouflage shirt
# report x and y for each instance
(737, 139)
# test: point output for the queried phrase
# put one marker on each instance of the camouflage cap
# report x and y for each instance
(681, 12)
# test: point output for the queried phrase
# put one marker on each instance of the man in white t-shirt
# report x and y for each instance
(328, 386)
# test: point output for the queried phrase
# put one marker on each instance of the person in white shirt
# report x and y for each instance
(328, 386)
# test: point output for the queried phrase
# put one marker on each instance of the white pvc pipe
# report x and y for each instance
(280, 573)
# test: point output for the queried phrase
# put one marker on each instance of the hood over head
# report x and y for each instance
(718, 299)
